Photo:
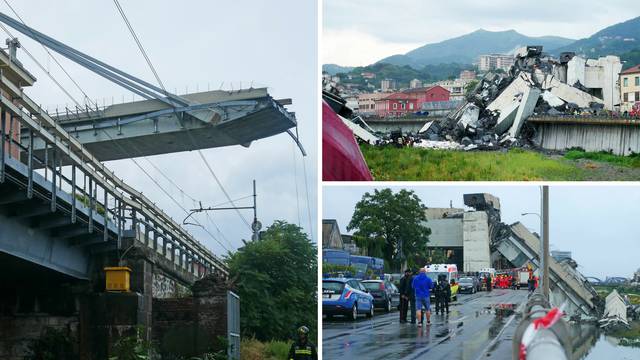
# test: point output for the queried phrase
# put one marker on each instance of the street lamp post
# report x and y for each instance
(544, 239)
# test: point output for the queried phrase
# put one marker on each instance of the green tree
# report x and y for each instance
(276, 278)
(383, 221)
(470, 86)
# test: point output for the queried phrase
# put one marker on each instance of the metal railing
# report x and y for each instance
(542, 334)
(131, 210)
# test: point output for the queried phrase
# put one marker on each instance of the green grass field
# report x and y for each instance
(441, 165)
(632, 161)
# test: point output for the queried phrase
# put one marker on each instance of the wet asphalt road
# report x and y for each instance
(480, 326)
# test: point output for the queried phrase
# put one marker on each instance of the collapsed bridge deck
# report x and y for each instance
(151, 127)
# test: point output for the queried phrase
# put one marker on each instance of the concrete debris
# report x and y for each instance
(615, 312)
(360, 132)
(551, 99)
(440, 145)
(425, 128)
(496, 111)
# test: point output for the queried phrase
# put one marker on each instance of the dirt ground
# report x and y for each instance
(602, 171)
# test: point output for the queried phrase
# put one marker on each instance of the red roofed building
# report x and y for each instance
(409, 101)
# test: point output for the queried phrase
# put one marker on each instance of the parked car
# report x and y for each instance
(468, 284)
(341, 296)
(385, 294)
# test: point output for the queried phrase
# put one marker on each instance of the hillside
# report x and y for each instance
(403, 74)
(630, 58)
(465, 49)
(335, 68)
(613, 40)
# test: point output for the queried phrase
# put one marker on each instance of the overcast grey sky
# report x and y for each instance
(598, 224)
(360, 32)
(199, 45)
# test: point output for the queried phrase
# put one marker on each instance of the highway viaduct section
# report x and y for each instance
(64, 216)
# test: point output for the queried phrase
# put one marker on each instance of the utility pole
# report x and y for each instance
(255, 225)
(545, 241)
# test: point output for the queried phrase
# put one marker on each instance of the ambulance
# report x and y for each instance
(450, 271)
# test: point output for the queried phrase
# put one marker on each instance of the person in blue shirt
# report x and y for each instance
(422, 285)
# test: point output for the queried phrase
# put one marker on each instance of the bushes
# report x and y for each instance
(632, 160)
(252, 349)
(276, 279)
(53, 344)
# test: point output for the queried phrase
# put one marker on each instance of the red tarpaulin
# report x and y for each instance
(341, 156)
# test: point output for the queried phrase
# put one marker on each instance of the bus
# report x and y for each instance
(363, 264)
(336, 257)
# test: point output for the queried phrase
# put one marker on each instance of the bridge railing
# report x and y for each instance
(112, 206)
(542, 334)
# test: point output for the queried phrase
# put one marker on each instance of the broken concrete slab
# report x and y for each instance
(507, 115)
(426, 127)
(572, 95)
(360, 132)
(615, 311)
(517, 86)
(526, 108)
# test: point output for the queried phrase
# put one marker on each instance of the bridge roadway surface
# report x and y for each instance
(479, 326)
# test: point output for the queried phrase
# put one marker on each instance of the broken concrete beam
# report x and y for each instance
(573, 95)
(527, 105)
(517, 86)
(507, 115)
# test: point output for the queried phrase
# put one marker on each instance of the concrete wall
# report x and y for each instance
(620, 139)
(18, 333)
(440, 213)
(445, 232)
(192, 326)
(599, 75)
(475, 227)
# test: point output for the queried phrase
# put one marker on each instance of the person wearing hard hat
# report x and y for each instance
(302, 348)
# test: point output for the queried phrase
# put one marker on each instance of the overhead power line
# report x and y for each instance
(155, 73)
(222, 188)
(89, 101)
(142, 50)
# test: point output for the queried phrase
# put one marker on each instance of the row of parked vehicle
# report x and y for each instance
(352, 297)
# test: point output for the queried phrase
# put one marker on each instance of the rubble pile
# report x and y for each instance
(495, 112)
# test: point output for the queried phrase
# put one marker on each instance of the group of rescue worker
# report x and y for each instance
(415, 289)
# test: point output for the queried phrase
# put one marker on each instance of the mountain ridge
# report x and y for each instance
(466, 48)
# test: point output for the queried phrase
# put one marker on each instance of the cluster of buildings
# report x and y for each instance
(495, 62)
(601, 78)
(391, 102)
(332, 238)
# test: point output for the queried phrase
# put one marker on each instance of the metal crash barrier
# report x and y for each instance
(542, 333)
